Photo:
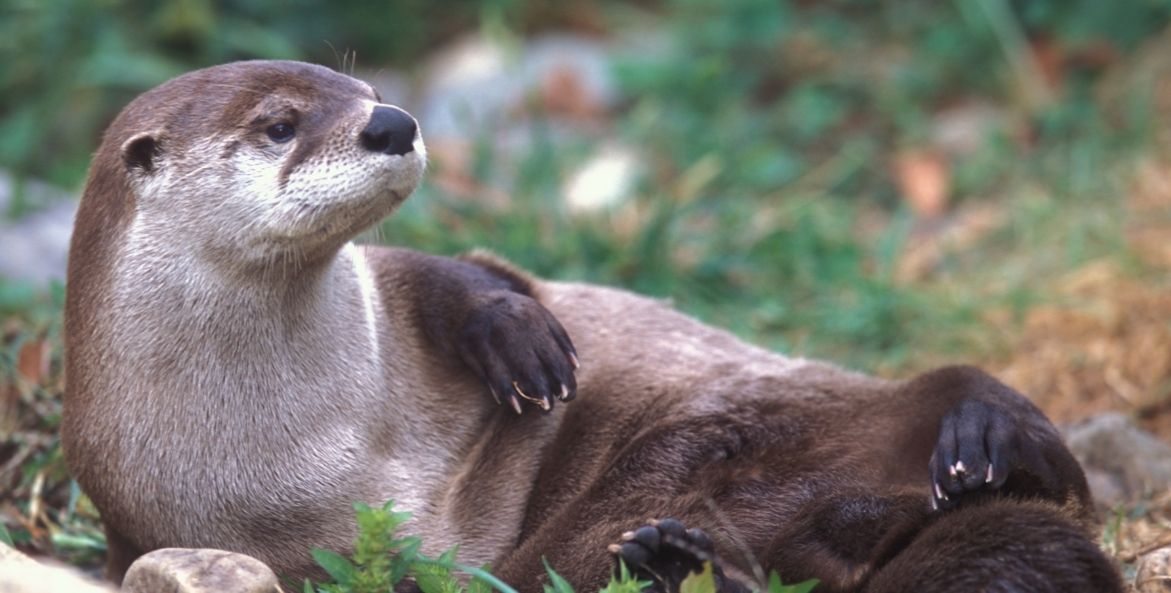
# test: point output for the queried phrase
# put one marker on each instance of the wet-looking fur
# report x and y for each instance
(239, 374)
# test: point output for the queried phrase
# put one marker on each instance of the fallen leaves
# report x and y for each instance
(923, 178)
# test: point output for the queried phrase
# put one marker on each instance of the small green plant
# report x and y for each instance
(705, 582)
(381, 559)
(775, 586)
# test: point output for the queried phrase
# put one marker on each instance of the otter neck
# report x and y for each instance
(255, 333)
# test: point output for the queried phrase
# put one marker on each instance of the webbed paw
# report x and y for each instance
(519, 349)
(665, 552)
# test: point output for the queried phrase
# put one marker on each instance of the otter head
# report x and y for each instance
(259, 162)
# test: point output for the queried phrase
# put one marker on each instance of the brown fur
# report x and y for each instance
(796, 465)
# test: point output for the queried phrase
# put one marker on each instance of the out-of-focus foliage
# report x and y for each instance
(70, 65)
(771, 127)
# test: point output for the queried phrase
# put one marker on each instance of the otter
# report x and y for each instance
(239, 373)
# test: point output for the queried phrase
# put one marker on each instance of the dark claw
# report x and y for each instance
(515, 404)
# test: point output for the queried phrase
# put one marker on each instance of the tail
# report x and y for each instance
(1000, 546)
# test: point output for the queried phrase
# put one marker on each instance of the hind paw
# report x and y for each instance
(665, 552)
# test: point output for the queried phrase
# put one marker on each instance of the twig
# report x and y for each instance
(1160, 542)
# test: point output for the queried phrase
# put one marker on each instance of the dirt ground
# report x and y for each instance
(1107, 347)
(1107, 344)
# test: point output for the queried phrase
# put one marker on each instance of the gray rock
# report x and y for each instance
(478, 80)
(21, 574)
(34, 247)
(1124, 463)
(1154, 572)
(179, 570)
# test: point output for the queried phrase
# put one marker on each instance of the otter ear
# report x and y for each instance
(140, 151)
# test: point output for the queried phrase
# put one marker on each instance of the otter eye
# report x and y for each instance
(280, 133)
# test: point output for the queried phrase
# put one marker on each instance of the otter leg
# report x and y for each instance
(120, 554)
(487, 317)
(665, 553)
(692, 468)
(1001, 546)
(992, 440)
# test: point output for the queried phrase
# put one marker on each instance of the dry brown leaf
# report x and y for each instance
(33, 361)
(563, 92)
(924, 181)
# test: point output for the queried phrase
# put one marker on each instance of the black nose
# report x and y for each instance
(390, 131)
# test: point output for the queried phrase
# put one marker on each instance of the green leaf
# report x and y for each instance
(804, 587)
(5, 537)
(699, 582)
(775, 586)
(448, 557)
(479, 573)
(339, 568)
(407, 548)
(624, 582)
(432, 578)
(77, 541)
(478, 585)
(774, 582)
(308, 588)
(560, 585)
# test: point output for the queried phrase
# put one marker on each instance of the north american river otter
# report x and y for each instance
(239, 374)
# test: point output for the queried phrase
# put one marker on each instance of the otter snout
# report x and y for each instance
(390, 131)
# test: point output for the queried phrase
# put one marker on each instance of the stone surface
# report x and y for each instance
(1154, 572)
(604, 181)
(21, 574)
(1123, 462)
(178, 570)
(481, 79)
(37, 243)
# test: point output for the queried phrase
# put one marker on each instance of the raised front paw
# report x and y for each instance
(979, 445)
(519, 350)
(665, 552)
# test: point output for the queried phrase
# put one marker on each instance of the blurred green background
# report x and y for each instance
(772, 138)
(887, 184)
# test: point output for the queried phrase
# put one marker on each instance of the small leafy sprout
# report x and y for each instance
(699, 582)
(624, 581)
(381, 560)
(775, 586)
(705, 582)
(559, 584)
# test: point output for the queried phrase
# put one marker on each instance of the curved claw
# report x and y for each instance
(515, 403)
(541, 402)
